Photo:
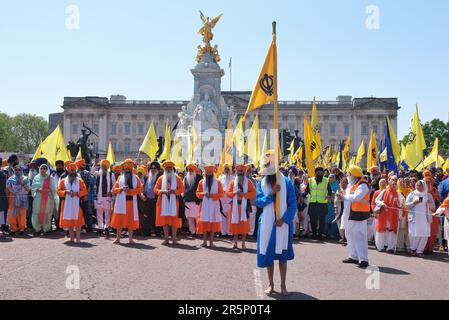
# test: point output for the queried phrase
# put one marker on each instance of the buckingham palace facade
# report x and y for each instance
(125, 122)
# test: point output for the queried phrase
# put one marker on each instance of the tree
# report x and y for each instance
(437, 129)
(22, 133)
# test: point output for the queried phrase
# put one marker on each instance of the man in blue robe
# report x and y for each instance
(275, 236)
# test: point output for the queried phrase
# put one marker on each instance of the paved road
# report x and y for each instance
(36, 268)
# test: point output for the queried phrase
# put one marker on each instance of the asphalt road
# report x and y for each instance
(47, 268)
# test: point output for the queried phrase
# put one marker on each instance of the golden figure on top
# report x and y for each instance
(206, 32)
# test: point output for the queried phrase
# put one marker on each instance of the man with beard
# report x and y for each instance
(85, 205)
(117, 170)
(275, 237)
(70, 190)
(357, 199)
(209, 191)
(43, 190)
(126, 214)
(252, 216)
(57, 175)
(225, 180)
(18, 189)
(191, 201)
(148, 198)
(319, 192)
(168, 188)
(104, 180)
(240, 190)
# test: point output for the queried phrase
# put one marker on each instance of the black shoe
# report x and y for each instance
(363, 264)
(349, 260)
(21, 233)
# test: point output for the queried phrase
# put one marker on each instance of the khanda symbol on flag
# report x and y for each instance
(411, 137)
(267, 84)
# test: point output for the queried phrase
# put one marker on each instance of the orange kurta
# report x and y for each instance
(61, 193)
(126, 221)
(242, 227)
(168, 221)
(202, 226)
(18, 222)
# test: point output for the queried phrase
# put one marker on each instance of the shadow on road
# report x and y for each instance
(5, 239)
(79, 245)
(292, 296)
(183, 246)
(140, 246)
(224, 249)
(389, 270)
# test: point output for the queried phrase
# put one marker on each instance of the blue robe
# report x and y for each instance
(262, 201)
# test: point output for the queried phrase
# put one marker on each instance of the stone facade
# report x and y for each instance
(126, 122)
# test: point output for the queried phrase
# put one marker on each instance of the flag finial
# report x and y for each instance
(274, 27)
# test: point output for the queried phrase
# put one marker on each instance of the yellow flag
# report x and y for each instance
(38, 152)
(327, 157)
(54, 148)
(238, 138)
(291, 154)
(264, 146)
(111, 155)
(193, 144)
(383, 156)
(253, 143)
(79, 156)
(446, 165)
(309, 146)
(416, 143)
(176, 154)
(298, 157)
(353, 161)
(167, 144)
(346, 152)
(371, 159)
(335, 156)
(316, 131)
(394, 142)
(360, 153)
(226, 154)
(150, 145)
(265, 89)
(432, 158)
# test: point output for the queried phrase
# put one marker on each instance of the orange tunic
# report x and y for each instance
(18, 222)
(168, 221)
(126, 221)
(242, 227)
(61, 193)
(202, 226)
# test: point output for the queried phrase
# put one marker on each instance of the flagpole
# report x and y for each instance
(230, 75)
(276, 126)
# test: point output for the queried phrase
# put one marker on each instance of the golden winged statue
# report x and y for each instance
(206, 32)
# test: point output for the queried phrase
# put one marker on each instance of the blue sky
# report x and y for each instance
(144, 50)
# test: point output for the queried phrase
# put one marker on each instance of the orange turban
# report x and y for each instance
(66, 164)
(105, 163)
(128, 164)
(193, 167)
(241, 167)
(4, 163)
(168, 164)
(71, 167)
(80, 163)
(210, 168)
(117, 168)
(141, 170)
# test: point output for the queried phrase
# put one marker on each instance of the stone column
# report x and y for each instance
(103, 141)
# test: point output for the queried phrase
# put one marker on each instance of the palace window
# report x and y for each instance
(365, 128)
(127, 147)
(114, 128)
(140, 128)
(127, 127)
(75, 128)
(332, 129)
(347, 130)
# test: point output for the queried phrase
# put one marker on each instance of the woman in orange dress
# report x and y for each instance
(70, 190)
(209, 191)
(125, 214)
(240, 190)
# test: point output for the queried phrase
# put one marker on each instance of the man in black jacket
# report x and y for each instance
(149, 199)
(191, 202)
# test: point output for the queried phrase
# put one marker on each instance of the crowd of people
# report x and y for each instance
(406, 209)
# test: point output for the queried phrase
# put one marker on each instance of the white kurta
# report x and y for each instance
(418, 225)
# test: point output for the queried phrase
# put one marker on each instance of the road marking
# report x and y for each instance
(258, 284)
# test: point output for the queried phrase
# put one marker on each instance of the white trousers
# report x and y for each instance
(225, 222)
(252, 220)
(371, 230)
(356, 235)
(418, 244)
(192, 225)
(306, 221)
(103, 221)
(385, 239)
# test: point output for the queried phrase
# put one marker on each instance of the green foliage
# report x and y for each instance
(22, 133)
(437, 129)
